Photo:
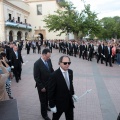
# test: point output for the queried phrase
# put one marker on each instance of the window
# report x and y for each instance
(25, 21)
(39, 9)
(18, 19)
(9, 16)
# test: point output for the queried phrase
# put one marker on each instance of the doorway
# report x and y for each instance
(11, 36)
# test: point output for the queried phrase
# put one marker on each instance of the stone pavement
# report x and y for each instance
(102, 103)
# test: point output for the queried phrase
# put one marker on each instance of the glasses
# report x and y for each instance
(65, 63)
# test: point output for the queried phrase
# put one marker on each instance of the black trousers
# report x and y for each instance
(68, 114)
(100, 57)
(28, 51)
(43, 101)
(108, 59)
(17, 71)
(39, 51)
(80, 54)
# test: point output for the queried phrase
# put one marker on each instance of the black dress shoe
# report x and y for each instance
(10, 97)
(17, 81)
(47, 118)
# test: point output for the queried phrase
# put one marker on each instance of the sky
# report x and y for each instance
(104, 8)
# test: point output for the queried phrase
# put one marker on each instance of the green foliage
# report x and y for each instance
(69, 20)
(111, 27)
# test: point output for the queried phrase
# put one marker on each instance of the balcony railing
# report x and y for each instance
(18, 25)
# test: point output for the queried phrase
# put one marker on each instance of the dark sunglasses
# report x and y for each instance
(65, 63)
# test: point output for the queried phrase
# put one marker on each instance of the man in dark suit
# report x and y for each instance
(28, 45)
(16, 63)
(75, 48)
(80, 49)
(70, 48)
(42, 71)
(100, 52)
(50, 44)
(39, 47)
(84, 51)
(61, 91)
(90, 51)
(108, 54)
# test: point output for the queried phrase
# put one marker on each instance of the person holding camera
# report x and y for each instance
(8, 68)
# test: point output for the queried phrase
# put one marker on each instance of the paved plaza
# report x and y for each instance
(102, 103)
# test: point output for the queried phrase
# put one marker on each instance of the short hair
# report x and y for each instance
(45, 51)
(61, 58)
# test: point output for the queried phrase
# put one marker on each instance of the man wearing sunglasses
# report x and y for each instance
(61, 91)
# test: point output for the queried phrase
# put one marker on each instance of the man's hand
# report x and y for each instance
(54, 109)
(43, 90)
(75, 98)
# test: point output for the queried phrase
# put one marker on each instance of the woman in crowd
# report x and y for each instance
(113, 52)
(3, 78)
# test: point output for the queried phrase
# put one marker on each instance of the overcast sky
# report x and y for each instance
(105, 8)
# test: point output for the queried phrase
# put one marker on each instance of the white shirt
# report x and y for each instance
(43, 60)
(64, 72)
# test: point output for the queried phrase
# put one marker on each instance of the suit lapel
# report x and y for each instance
(62, 78)
(43, 64)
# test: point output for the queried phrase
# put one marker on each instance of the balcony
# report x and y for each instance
(11, 24)
(18, 25)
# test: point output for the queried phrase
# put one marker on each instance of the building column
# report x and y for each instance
(2, 22)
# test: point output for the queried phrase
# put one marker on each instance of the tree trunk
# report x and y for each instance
(76, 36)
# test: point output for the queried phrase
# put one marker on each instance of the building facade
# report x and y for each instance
(23, 19)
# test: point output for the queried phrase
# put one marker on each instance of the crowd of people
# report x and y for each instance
(104, 51)
(11, 60)
(47, 81)
(19, 22)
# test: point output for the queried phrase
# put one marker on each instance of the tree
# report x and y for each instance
(69, 20)
(111, 27)
(91, 24)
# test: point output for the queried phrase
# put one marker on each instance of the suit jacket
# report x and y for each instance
(28, 46)
(41, 73)
(75, 47)
(107, 52)
(100, 49)
(14, 60)
(58, 93)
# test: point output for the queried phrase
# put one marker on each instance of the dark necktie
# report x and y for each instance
(47, 65)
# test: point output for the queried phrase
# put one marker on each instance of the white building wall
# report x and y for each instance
(20, 4)
(16, 12)
(48, 7)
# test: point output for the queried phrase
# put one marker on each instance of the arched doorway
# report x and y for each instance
(41, 38)
(11, 36)
(19, 35)
(26, 35)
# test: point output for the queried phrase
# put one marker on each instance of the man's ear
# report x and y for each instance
(58, 63)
